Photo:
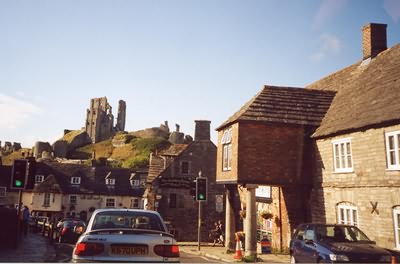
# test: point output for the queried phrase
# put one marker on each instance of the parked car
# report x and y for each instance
(126, 235)
(69, 229)
(333, 243)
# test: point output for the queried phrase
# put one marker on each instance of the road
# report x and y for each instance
(64, 253)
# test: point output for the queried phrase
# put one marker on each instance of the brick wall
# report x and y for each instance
(370, 182)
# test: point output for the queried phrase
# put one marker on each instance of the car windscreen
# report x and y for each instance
(340, 234)
(127, 219)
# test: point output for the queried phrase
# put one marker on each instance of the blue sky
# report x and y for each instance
(174, 60)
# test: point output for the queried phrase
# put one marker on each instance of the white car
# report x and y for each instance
(126, 235)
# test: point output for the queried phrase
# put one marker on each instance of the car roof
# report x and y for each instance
(326, 224)
(124, 210)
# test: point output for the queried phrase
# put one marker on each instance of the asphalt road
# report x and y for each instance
(64, 253)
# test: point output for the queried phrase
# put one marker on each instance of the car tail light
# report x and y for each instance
(168, 251)
(88, 249)
(64, 230)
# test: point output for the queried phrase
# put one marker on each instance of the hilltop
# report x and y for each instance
(124, 149)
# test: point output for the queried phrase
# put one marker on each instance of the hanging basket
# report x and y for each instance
(266, 215)
(242, 214)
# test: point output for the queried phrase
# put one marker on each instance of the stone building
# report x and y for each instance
(100, 120)
(330, 150)
(170, 179)
(357, 176)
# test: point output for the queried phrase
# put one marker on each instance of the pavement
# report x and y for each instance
(31, 248)
(220, 253)
(36, 248)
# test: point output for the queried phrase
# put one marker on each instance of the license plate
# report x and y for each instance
(129, 250)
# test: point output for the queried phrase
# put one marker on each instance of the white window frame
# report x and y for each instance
(135, 203)
(39, 178)
(110, 202)
(347, 214)
(73, 199)
(75, 180)
(342, 155)
(396, 221)
(110, 181)
(226, 142)
(135, 183)
(46, 200)
(395, 150)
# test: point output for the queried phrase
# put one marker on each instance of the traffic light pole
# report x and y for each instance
(199, 227)
(19, 216)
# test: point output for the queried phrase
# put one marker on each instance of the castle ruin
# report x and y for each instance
(100, 120)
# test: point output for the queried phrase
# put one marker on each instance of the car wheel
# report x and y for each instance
(292, 260)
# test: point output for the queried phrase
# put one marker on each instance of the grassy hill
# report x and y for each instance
(133, 153)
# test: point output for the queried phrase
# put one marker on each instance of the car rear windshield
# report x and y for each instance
(131, 220)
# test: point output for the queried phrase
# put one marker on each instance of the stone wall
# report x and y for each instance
(370, 183)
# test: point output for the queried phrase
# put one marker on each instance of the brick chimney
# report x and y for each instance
(373, 39)
(202, 130)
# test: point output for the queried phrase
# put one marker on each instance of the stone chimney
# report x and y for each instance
(202, 131)
(373, 39)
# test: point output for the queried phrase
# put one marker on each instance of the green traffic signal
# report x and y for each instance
(19, 174)
(18, 183)
(201, 189)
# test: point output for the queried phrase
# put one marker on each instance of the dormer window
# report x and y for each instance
(39, 178)
(110, 181)
(135, 183)
(75, 180)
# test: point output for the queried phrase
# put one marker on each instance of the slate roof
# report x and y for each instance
(158, 164)
(368, 95)
(58, 178)
(287, 105)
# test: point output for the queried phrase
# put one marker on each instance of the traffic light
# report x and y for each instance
(19, 174)
(201, 189)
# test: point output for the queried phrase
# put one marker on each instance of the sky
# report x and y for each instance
(169, 60)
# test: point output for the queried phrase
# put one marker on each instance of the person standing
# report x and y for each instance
(25, 220)
(221, 232)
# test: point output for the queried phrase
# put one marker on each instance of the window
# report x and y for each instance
(172, 200)
(46, 200)
(110, 202)
(110, 181)
(134, 203)
(72, 199)
(39, 178)
(76, 180)
(185, 167)
(396, 218)
(393, 150)
(226, 142)
(3, 192)
(343, 160)
(347, 214)
(135, 183)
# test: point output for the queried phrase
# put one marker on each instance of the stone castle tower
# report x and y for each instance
(100, 120)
